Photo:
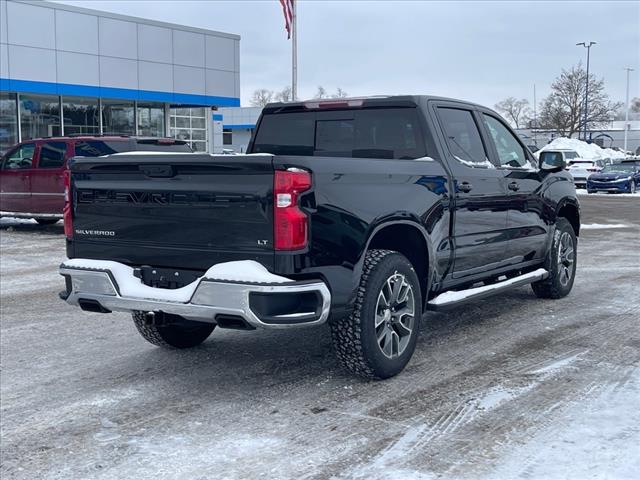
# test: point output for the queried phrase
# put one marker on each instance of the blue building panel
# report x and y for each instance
(48, 88)
(239, 127)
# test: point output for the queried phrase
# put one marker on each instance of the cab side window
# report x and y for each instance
(463, 137)
(20, 158)
(52, 154)
(510, 152)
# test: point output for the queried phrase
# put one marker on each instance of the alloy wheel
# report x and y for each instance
(395, 315)
(566, 258)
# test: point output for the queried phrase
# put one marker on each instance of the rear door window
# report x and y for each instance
(463, 137)
(52, 154)
(392, 133)
(20, 158)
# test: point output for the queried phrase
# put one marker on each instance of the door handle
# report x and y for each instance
(515, 186)
(465, 187)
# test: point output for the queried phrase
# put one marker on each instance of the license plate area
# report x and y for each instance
(169, 278)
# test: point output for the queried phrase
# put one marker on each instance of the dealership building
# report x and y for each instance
(66, 70)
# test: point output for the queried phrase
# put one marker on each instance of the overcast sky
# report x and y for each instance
(478, 51)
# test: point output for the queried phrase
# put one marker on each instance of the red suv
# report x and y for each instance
(31, 173)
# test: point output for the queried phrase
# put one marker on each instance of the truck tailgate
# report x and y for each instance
(171, 210)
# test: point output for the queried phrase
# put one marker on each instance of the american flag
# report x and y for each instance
(287, 9)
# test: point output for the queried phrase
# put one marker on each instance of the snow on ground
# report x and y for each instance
(584, 149)
(511, 387)
(600, 438)
(7, 221)
(603, 226)
(582, 191)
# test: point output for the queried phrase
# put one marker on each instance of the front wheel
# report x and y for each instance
(175, 332)
(561, 263)
(379, 337)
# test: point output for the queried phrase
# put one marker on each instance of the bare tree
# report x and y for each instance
(261, 97)
(321, 93)
(283, 95)
(516, 111)
(340, 93)
(635, 105)
(563, 110)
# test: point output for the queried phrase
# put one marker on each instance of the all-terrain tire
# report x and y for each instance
(46, 221)
(181, 333)
(354, 337)
(555, 286)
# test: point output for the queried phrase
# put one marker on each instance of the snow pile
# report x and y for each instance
(585, 150)
(130, 286)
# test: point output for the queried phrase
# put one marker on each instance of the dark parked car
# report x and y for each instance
(31, 172)
(623, 177)
(363, 213)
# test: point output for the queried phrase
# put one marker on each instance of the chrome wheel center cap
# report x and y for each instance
(387, 315)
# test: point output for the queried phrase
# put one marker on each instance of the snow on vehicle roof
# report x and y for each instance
(588, 151)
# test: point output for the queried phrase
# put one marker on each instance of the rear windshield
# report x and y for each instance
(367, 133)
(97, 148)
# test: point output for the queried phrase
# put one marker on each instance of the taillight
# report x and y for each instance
(291, 225)
(68, 208)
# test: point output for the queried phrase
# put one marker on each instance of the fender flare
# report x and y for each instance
(565, 201)
(385, 223)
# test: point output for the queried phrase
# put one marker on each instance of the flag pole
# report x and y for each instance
(294, 53)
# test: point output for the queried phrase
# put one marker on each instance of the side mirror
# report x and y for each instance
(552, 161)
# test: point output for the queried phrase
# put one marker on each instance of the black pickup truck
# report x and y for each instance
(361, 213)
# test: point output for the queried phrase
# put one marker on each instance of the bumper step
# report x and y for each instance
(104, 286)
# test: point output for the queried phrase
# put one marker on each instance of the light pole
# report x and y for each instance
(586, 92)
(626, 113)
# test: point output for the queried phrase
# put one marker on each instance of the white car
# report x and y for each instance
(580, 169)
(567, 155)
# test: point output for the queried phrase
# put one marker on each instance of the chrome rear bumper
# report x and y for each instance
(274, 305)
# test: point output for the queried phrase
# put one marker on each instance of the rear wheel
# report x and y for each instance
(379, 337)
(174, 332)
(46, 221)
(561, 263)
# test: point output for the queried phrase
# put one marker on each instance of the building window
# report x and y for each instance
(8, 121)
(227, 136)
(151, 119)
(80, 115)
(190, 124)
(118, 117)
(39, 116)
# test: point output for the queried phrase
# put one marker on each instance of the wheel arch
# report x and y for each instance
(408, 238)
(570, 209)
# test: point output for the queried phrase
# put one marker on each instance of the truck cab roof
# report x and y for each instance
(372, 101)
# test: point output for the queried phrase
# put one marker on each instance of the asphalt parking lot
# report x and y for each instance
(508, 387)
